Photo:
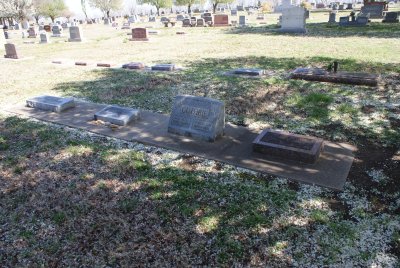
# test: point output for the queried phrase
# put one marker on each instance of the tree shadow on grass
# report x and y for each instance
(326, 30)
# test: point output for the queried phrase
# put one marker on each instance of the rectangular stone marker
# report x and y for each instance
(200, 23)
(11, 52)
(391, 17)
(288, 146)
(32, 32)
(139, 34)
(44, 38)
(133, 66)
(293, 20)
(374, 11)
(242, 20)
(249, 71)
(75, 34)
(197, 117)
(186, 23)
(163, 67)
(221, 20)
(117, 115)
(57, 31)
(332, 17)
(51, 103)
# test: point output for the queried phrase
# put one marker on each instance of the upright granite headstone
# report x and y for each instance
(57, 31)
(332, 17)
(186, 23)
(198, 117)
(293, 20)
(242, 20)
(139, 34)
(200, 23)
(374, 11)
(75, 34)
(44, 38)
(234, 12)
(25, 25)
(391, 17)
(32, 32)
(221, 20)
(11, 52)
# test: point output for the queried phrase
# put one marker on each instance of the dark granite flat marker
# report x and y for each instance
(117, 115)
(51, 103)
(248, 71)
(321, 75)
(287, 145)
(163, 67)
(234, 148)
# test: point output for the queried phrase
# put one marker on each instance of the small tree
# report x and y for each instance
(188, 3)
(106, 6)
(216, 2)
(52, 8)
(159, 4)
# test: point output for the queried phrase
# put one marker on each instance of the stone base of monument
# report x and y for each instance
(75, 40)
(117, 115)
(51, 103)
(139, 39)
(288, 146)
(163, 67)
(133, 66)
(316, 74)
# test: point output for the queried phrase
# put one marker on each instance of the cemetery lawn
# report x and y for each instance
(71, 198)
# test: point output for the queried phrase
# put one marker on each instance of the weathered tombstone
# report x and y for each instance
(11, 52)
(16, 26)
(32, 32)
(126, 25)
(288, 146)
(25, 25)
(242, 20)
(75, 34)
(391, 17)
(7, 34)
(57, 31)
(332, 17)
(197, 117)
(117, 115)
(341, 7)
(221, 20)
(133, 66)
(163, 67)
(293, 20)
(186, 23)
(240, 8)
(200, 23)
(208, 20)
(139, 34)
(375, 11)
(51, 103)
(349, 6)
(47, 28)
(152, 19)
(106, 21)
(164, 19)
(180, 18)
(233, 12)
(44, 38)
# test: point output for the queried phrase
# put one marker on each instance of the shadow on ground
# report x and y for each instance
(326, 30)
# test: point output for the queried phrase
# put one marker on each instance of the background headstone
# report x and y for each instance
(242, 20)
(293, 20)
(11, 52)
(75, 34)
(44, 38)
(139, 34)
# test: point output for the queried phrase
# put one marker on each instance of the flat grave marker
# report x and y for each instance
(133, 66)
(293, 20)
(248, 71)
(117, 115)
(288, 146)
(163, 67)
(197, 117)
(51, 103)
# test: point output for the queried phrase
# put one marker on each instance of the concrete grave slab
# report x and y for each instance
(248, 71)
(51, 103)
(117, 115)
(163, 67)
(234, 148)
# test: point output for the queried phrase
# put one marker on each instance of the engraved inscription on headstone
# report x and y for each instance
(198, 117)
(139, 34)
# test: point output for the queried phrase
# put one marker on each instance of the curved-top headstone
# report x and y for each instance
(197, 117)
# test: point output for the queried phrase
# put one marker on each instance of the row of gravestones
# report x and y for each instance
(201, 118)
